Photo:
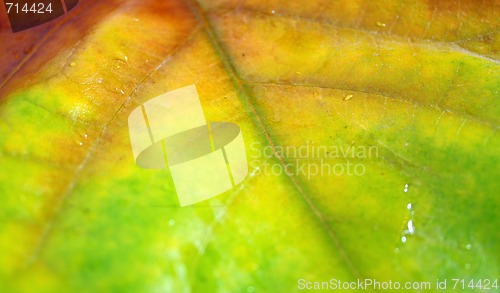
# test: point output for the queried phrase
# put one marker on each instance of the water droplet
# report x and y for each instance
(85, 136)
(121, 56)
(409, 206)
(406, 188)
(467, 266)
(396, 250)
(468, 246)
(380, 24)
(403, 239)
(72, 64)
(171, 222)
(273, 11)
(118, 90)
(80, 143)
(411, 228)
(348, 97)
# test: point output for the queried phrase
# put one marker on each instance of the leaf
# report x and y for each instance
(416, 82)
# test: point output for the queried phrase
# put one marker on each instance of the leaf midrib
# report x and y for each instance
(245, 96)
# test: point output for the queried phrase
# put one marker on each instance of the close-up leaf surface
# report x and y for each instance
(415, 83)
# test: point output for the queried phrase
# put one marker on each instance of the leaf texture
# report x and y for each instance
(416, 80)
